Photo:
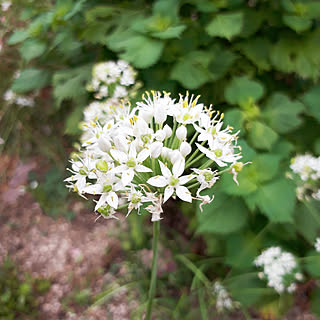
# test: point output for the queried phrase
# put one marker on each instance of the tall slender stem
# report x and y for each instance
(152, 288)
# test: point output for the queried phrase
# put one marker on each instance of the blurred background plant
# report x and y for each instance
(257, 60)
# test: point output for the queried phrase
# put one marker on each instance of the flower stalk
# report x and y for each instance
(153, 282)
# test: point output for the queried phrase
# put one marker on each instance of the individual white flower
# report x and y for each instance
(222, 155)
(130, 162)
(136, 199)
(107, 185)
(168, 131)
(5, 5)
(156, 207)
(223, 299)
(206, 177)
(9, 95)
(107, 212)
(173, 182)
(187, 111)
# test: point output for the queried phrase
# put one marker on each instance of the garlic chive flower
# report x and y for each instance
(139, 156)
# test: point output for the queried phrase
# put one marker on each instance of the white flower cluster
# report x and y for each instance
(280, 268)
(143, 154)
(307, 168)
(5, 5)
(223, 299)
(22, 101)
(112, 79)
(317, 244)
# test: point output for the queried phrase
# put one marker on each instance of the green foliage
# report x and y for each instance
(31, 79)
(19, 293)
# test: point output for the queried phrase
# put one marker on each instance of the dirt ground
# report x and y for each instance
(70, 253)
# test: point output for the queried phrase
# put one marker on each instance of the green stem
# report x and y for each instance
(152, 288)
(189, 163)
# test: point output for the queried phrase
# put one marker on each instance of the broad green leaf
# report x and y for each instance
(242, 259)
(171, 32)
(292, 54)
(242, 90)
(18, 36)
(225, 25)
(277, 200)
(261, 136)
(204, 5)
(283, 149)
(222, 216)
(312, 263)
(252, 20)
(191, 71)
(141, 51)
(282, 114)
(222, 60)
(305, 223)
(262, 169)
(317, 147)
(32, 48)
(257, 50)
(296, 23)
(70, 83)
(235, 118)
(312, 101)
(31, 79)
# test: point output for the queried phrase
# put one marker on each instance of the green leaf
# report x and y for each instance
(32, 48)
(191, 71)
(225, 25)
(312, 263)
(296, 23)
(222, 216)
(257, 50)
(169, 33)
(283, 149)
(18, 36)
(292, 54)
(261, 136)
(141, 51)
(73, 120)
(262, 169)
(311, 99)
(252, 20)
(281, 113)
(31, 79)
(222, 60)
(242, 90)
(235, 118)
(70, 83)
(277, 200)
(305, 223)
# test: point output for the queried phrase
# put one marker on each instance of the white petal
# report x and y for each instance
(184, 194)
(184, 179)
(127, 177)
(93, 189)
(132, 151)
(143, 155)
(141, 168)
(119, 169)
(101, 202)
(119, 155)
(158, 181)
(81, 183)
(112, 199)
(168, 193)
(165, 171)
(178, 167)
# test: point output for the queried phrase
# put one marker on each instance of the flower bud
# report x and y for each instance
(160, 135)
(175, 155)
(165, 152)
(102, 166)
(185, 148)
(167, 130)
(181, 133)
(155, 149)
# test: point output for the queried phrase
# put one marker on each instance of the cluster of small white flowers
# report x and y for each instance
(307, 168)
(280, 268)
(5, 5)
(112, 79)
(22, 101)
(317, 244)
(143, 154)
(223, 299)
